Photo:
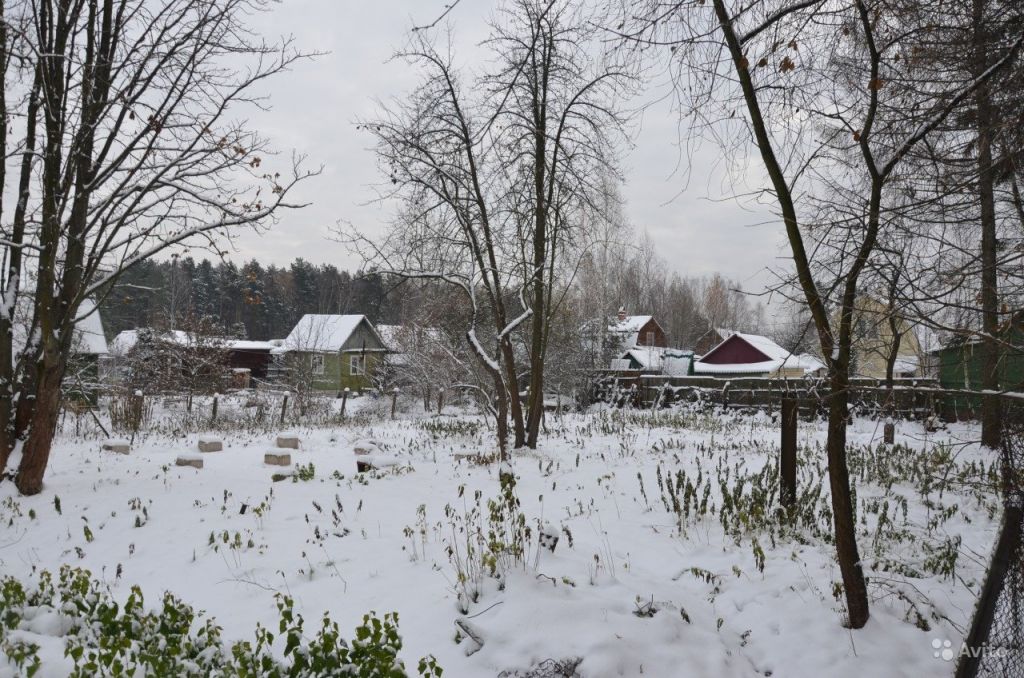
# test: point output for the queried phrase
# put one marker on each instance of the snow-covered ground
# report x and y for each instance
(654, 572)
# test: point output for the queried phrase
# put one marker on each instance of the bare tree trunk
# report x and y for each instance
(515, 403)
(990, 414)
(835, 445)
(501, 416)
(890, 359)
(36, 452)
(12, 426)
(842, 505)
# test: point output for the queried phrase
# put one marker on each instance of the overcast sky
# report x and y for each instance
(696, 228)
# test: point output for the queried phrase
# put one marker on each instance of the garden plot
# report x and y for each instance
(665, 551)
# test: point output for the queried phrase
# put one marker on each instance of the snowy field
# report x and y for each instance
(673, 557)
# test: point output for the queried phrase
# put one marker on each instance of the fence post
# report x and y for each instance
(213, 415)
(344, 400)
(394, 401)
(787, 463)
(440, 400)
(889, 432)
(284, 407)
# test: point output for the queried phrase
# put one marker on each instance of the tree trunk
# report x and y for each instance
(514, 402)
(896, 337)
(842, 505)
(10, 430)
(36, 452)
(990, 413)
(501, 417)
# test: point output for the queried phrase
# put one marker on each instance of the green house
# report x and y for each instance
(961, 363)
(333, 352)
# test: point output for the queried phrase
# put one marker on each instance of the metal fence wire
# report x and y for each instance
(995, 644)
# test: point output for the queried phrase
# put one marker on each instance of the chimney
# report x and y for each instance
(622, 313)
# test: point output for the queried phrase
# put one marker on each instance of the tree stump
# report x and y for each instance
(288, 441)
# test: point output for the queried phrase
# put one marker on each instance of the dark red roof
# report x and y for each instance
(734, 350)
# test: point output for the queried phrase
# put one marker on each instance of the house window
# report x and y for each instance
(317, 363)
(650, 339)
(357, 365)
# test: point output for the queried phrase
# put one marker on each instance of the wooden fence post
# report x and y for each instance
(213, 415)
(344, 401)
(394, 401)
(787, 463)
(284, 408)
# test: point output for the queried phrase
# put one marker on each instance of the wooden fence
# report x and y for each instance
(913, 398)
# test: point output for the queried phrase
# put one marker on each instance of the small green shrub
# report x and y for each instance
(108, 639)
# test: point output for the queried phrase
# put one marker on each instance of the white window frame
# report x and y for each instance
(317, 363)
(354, 360)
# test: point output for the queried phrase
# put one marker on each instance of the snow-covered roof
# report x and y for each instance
(126, 340)
(89, 337)
(906, 365)
(629, 328)
(778, 358)
(324, 333)
(656, 358)
(764, 345)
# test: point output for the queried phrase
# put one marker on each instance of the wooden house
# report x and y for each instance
(751, 355)
(336, 351)
(873, 340)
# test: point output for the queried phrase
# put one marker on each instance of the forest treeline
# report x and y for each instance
(261, 302)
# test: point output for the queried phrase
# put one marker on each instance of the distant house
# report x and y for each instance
(752, 355)
(89, 353)
(638, 342)
(673, 362)
(873, 340)
(249, 361)
(337, 351)
(632, 331)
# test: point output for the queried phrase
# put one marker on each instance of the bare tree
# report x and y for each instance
(137, 153)
(810, 81)
(492, 175)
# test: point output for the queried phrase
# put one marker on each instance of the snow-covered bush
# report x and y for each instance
(102, 637)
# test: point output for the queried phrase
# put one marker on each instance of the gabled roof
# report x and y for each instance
(766, 357)
(325, 333)
(89, 337)
(629, 328)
